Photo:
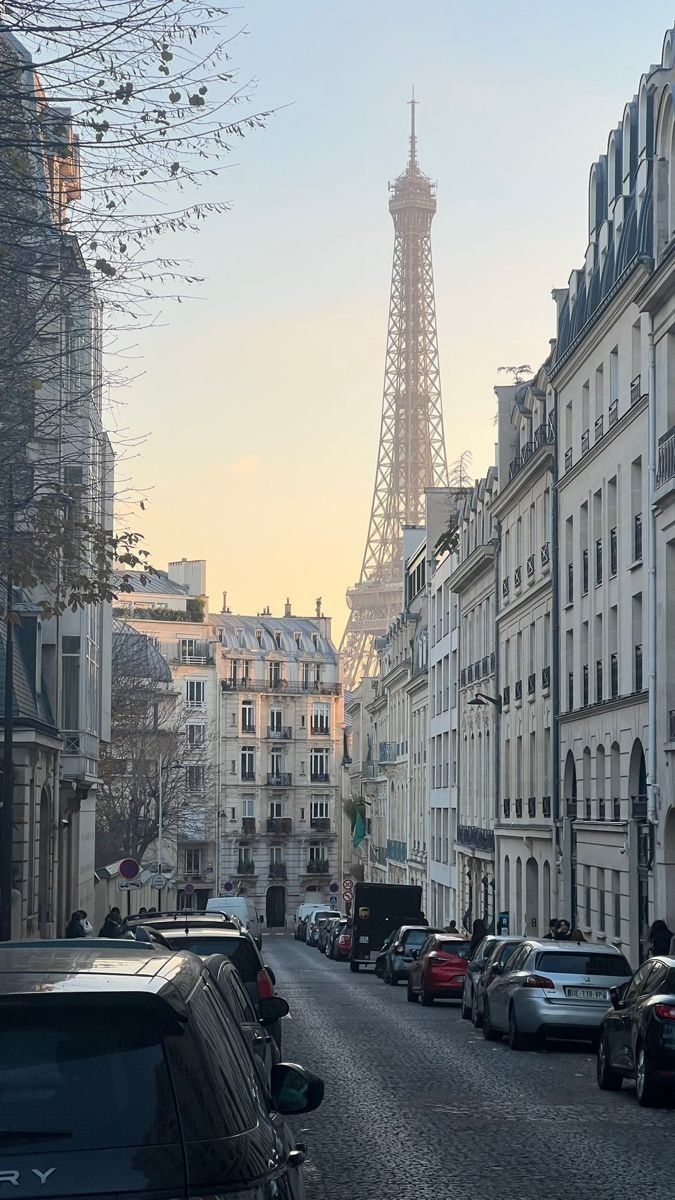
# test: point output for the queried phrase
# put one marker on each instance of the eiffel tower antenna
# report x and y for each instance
(411, 454)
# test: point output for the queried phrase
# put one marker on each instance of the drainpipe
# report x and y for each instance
(555, 623)
(652, 785)
(497, 715)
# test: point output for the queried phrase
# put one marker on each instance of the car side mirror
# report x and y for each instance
(271, 974)
(295, 1090)
(476, 965)
(273, 1009)
(414, 953)
(616, 997)
(497, 968)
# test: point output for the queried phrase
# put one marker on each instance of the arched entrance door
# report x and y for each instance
(571, 833)
(669, 867)
(275, 907)
(44, 913)
(637, 791)
(532, 897)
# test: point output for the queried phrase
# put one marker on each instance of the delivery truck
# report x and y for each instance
(379, 908)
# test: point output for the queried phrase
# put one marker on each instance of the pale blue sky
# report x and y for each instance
(263, 396)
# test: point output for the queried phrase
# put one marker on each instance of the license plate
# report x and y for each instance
(586, 993)
(363, 940)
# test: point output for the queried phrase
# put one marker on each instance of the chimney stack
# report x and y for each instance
(224, 608)
(287, 608)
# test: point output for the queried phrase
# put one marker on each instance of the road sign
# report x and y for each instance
(129, 868)
(130, 885)
(347, 889)
(189, 889)
(333, 901)
(158, 881)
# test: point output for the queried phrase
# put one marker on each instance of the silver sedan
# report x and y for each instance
(552, 989)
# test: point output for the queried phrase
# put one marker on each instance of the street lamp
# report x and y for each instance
(481, 699)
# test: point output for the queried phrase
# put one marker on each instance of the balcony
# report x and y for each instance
(398, 851)
(462, 677)
(571, 809)
(637, 537)
(546, 679)
(531, 684)
(277, 870)
(507, 807)
(283, 734)
(543, 435)
(616, 809)
(248, 776)
(545, 556)
(477, 670)
(485, 666)
(476, 838)
(320, 824)
(388, 752)
(585, 441)
(506, 697)
(614, 675)
(248, 729)
(311, 687)
(568, 459)
(519, 806)
(280, 779)
(671, 725)
(584, 571)
(506, 587)
(519, 690)
(248, 826)
(599, 428)
(613, 551)
(246, 866)
(636, 389)
(280, 826)
(546, 806)
(570, 583)
(493, 661)
(469, 673)
(613, 413)
(529, 566)
(601, 810)
(638, 808)
(320, 729)
(665, 470)
(518, 577)
(532, 807)
(319, 776)
(318, 866)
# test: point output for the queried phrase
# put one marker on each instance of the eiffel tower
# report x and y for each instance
(411, 454)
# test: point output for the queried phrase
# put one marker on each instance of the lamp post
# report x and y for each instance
(481, 698)
(479, 701)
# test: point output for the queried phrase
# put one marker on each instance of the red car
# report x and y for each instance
(437, 971)
(342, 944)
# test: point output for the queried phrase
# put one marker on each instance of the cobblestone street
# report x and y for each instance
(419, 1105)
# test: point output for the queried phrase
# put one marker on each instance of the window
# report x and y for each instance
(601, 900)
(318, 852)
(638, 669)
(276, 854)
(274, 673)
(296, 638)
(248, 762)
(193, 862)
(70, 685)
(195, 693)
(319, 765)
(276, 717)
(637, 537)
(276, 762)
(616, 890)
(196, 736)
(196, 778)
(192, 650)
(277, 640)
(320, 715)
(248, 806)
(598, 561)
(598, 681)
(613, 555)
(276, 809)
(584, 571)
(259, 637)
(315, 641)
(248, 717)
(319, 808)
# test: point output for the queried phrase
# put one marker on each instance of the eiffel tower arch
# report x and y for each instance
(411, 455)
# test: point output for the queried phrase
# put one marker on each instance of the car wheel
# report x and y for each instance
(412, 996)
(650, 1092)
(517, 1040)
(393, 979)
(489, 1033)
(427, 998)
(608, 1080)
(476, 1017)
(466, 1009)
(354, 966)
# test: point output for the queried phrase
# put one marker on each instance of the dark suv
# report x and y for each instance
(126, 1074)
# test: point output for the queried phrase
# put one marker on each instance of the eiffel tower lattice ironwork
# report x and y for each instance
(411, 453)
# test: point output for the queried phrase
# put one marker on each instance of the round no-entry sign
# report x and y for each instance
(129, 868)
(189, 889)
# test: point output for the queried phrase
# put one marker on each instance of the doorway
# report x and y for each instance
(275, 907)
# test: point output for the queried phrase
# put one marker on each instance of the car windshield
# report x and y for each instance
(239, 950)
(504, 952)
(67, 1075)
(415, 937)
(459, 949)
(583, 964)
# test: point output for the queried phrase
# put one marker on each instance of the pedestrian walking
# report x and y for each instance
(563, 931)
(86, 924)
(143, 912)
(74, 927)
(111, 927)
(451, 928)
(478, 932)
(552, 934)
(660, 938)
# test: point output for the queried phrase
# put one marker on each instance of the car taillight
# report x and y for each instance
(539, 981)
(665, 1011)
(264, 985)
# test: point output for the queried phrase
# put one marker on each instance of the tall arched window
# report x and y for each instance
(600, 781)
(587, 783)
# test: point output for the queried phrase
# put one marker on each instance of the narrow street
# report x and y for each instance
(419, 1105)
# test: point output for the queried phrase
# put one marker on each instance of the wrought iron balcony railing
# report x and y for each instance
(476, 838)
(282, 734)
(665, 470)
(281, 779)
(280, 826)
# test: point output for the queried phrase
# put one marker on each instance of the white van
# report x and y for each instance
(237, 906)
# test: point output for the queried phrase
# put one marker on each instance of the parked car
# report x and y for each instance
(339, 940)
(552, 989)
(495, 962)
(319, 914)
(437, 971)
(204, 936)
(303, 912)
(125, 1072)
(325, 928)
(232, 989)
(476, 964)
(398, 955)
(637, 1034)
(241, 907)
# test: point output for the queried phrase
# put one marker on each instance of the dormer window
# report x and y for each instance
(297, 639)
(277, 640)
(258, 636)
(315, 641)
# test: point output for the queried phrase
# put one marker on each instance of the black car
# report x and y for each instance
(637, 1035)
(335, 931)
(498, 956)
(325, 930)
(476, 964)
(125, 1074)
(393, 961)
(231, 988)
(216, 936)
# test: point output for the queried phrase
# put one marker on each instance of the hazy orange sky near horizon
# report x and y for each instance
(261, 397)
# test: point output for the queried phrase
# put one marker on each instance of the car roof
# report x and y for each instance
(93, 969)
(572, 947)
(170, 919)
(426, 928)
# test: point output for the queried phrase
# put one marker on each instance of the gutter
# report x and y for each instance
(653, 791)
